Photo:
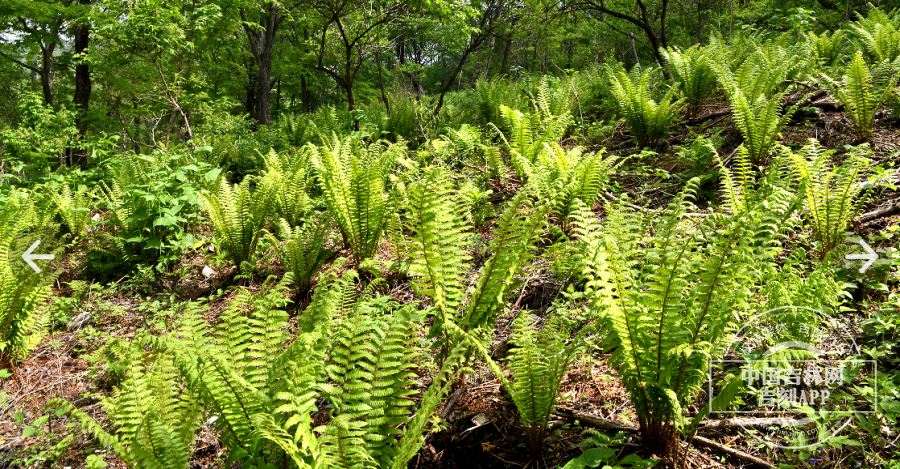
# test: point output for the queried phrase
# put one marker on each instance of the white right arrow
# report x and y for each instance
(29, 258)
(870, 256)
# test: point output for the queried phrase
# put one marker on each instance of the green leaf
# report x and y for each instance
(212, 174)
(595, 456)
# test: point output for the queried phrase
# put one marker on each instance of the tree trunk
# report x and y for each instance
(304, 93)
(263, 89)
(250, 101)
(262, 45)
(46, 72)
(82, 96)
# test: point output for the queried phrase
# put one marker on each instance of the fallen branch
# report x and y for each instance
(881, 212)
(611, 198)
(748, 423)
(612, 425)
(699, 440)
(705, 117)
(593, 421)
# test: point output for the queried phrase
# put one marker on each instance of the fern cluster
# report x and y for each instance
(154, 413)
(302, 250)
(440, 260)
(239, 214)
(862, 91)
(530, 135)
(538, 363)
(878, 35)
(695, 77)
(22, 291)
(353, 178)
(830, 192)
(287, 180)
(755, 92)
(560, 176)
(74, 207)
(669, 296)
(263, 387)
(647, 119)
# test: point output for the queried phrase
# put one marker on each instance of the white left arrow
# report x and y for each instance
(29, 258)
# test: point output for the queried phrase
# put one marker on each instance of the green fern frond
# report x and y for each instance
(647, 119)
(353, 179)
(239, 215)
(830, 193)
(862, 92)
(302, 250)
(692, 72)
(22, 291)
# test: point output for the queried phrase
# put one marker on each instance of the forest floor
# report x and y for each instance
(482, 428)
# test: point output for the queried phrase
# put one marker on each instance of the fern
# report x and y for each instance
(440, 236)
(155, 417)
(353, 179)
(830, 193)
(538, 363)
(302, 251)
(669, 297)
(22, 291)
(693, 74)
(530, 135)
(238, 215)
(440, 261)
(878, 35)
(826, 47)
(862, 92)
(755, 93)
(74, 208)
(286, 180)
(647, 119)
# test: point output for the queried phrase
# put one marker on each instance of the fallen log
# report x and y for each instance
(881, 212)
(612, 425)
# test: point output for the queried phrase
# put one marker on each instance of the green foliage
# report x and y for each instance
(830, 193)
(562, 176)
(827, 47)
(878, 35)
(302, 251)
(43, 133)
(440, 260)
(74, 208)
(531, 134)
(154, 414)
(153, 200)
(647, 119)
(862, 91)
(668, 296)
(491, 95)
(239, 215)
(538, 361)
(352, 177)
(695, 78)
(403, 121)
(755, 93)
(22, 291)
(287, 181)
(262, 385)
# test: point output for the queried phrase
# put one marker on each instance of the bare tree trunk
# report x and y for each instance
(82, 96)
(262, 45)
(46, 72)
